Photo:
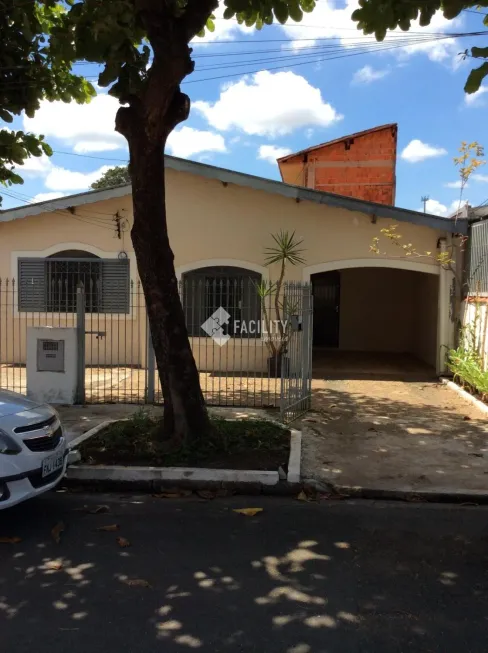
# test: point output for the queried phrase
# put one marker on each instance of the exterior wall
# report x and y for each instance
(475, 320)
(425, 309)
(209, 224)
(376, 310)
(363, 167)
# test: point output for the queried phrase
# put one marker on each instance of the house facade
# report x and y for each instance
(220, 223)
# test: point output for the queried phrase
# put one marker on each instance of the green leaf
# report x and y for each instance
(296, 13)
(281, 12)
(210, 25)
(475, 78)
(6, 116)
(229, 13)
(479, 53)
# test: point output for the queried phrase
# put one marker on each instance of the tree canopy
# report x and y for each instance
(378, 16)
(32, 68)
(112, 177)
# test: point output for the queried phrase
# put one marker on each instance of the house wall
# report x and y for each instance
(475, 322)
(363, 167)
(425, 309)
(209, 224)
(376, 311)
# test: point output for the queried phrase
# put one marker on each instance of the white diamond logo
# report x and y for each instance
(213, 327)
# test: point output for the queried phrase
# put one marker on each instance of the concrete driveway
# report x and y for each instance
(393, 431)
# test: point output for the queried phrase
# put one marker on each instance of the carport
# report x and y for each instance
(375, 318)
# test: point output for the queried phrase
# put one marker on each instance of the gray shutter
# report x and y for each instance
(32, 284)
(115, 286)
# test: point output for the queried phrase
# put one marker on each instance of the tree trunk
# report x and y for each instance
(185, 415)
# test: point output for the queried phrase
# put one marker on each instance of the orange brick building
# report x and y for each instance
(361, 165)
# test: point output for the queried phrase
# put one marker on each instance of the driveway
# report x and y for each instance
(332, 577)
(387, 432)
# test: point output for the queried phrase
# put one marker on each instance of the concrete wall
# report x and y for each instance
(475, 320)
(425, 309)
(362, 166)
(209, 224)
(376, 312)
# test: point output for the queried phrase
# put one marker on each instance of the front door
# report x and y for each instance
(326, 302)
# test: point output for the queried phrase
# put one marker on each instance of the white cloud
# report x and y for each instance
(225, 30)
(270, 153)
(368, 74)
(35, 166)
(187, 141)
(61, 179)
(455, 184)
(336, 22)
(82, 126)
(417, 151)
(477, 177)
(45, 197)
(268, 104)
(435, 207)
(476, 99)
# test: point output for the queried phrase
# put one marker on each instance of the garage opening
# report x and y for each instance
(374, 322)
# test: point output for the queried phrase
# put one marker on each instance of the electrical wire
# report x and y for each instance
(65, 214)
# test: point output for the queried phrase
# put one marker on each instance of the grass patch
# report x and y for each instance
(240, 444)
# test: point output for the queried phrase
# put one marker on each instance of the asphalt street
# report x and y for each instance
(194, 575)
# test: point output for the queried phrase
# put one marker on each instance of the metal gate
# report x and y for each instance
(296, 369)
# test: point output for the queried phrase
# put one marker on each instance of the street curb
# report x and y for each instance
(465, 395)
(406, 494)
(119, 477)
(85, 436)
(294, 460)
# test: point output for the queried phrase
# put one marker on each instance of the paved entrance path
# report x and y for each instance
(333, 577)
(394, 434)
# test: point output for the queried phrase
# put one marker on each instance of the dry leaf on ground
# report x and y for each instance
(173, 494)
(56, 531)
(10, 540)
(249, 512)
(137, 582)
(206, 494)
(302, 496)
(110, 528)
(123, 543)
(54, 565)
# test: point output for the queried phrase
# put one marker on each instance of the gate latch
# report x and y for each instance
(98, 334)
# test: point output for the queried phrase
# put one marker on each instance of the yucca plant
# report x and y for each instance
(285, 251)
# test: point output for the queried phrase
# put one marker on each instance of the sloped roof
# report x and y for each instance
(338, 140)
(298, 193)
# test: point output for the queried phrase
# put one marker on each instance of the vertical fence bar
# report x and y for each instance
(151, 366)
(80, 326)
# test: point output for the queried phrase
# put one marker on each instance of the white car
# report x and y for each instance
(33, 451)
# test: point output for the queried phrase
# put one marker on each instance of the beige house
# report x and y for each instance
(220, 221)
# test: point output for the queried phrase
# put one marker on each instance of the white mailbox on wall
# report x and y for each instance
(52, 364)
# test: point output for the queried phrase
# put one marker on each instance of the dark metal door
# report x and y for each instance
(326, 301)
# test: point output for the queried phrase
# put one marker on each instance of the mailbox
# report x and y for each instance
(50, 355)
(52, 364)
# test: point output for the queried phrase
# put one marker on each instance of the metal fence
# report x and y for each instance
(251, 351)
(477, 267)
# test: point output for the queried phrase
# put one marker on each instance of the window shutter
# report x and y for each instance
(115, 286)
(32, 285)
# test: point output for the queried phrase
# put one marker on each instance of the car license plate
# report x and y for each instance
(51, 464)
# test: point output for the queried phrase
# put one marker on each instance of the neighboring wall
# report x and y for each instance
(360, 166)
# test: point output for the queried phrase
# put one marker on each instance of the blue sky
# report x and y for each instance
(243, 121)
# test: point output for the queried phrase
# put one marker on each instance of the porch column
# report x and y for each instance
(445, 316)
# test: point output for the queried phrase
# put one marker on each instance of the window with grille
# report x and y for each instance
(50, 284)
(234, 289)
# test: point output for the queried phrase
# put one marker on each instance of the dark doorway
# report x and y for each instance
(326, 287)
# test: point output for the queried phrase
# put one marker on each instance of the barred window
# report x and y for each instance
(234, 289)
(50, 284)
